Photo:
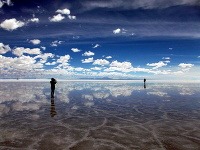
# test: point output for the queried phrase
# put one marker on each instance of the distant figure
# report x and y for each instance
(53, 83)
(144, 83)
(53, 109)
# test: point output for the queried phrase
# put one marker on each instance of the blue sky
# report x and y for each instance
(73, 39)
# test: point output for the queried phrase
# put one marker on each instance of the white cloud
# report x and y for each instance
(198, 56)
(184, 65)
(34, 20)
(96, 68)
(88, 53)
(157, 65)
(170, 48)
(96, 45)
(126, 65)
(44, 57)
(117, 31)
(124, 31)
(101, 62)
(168, 58)
(72, 17)
(64, 60)
(42, 47)
(52, 63)
(108, 57)
(19, 51)
(89, 60)
(78, 69)
(35, 41)
(1, 4)
(25, 63)
(11, 24)
(56, 43)
(57, 18)
(75, 50)
(120, 66)
(63, 11)
(4, 48)
(8, 2)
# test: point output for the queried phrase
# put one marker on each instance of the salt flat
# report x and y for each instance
(99, 115)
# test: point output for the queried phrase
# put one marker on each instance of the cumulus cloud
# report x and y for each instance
(57, 18)
(64, 60)
(120, 66)
(8, 2)
(50, 63)
(101, 62)
(96, 45)
(167, 58)
(35, 41)
(42, 47)
(4, 48)
(1, 4)
(157, 65)
(185, 65)
(88, 60)
(124, 30)
(34, 20)
(96, 68)
(19, 63)
(75, 50)
(108, 57)
(11, 24)
(56, 43)
(44, 57)
(117, 31)
(63, 11)
(88, 53)
(19, 51)
(72, 17)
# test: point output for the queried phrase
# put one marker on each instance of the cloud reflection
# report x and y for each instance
(31, 96)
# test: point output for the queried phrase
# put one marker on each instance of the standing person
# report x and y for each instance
(144, 83)
(53, 83)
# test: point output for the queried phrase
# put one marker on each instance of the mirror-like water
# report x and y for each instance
(99, 115)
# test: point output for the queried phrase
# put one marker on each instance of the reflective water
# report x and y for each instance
(99, 115)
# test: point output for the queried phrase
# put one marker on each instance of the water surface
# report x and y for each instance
(100, 115)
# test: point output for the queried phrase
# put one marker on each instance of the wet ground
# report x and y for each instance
(100, 116)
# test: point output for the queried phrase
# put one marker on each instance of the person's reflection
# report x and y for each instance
(144, 85)
(53, 109)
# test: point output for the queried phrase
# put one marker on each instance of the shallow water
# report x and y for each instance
(100, 115)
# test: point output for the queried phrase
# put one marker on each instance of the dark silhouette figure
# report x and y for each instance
(53, 109)
(144, 83)
(53, 83)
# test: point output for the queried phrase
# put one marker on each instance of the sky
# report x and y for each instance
(100, 39)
